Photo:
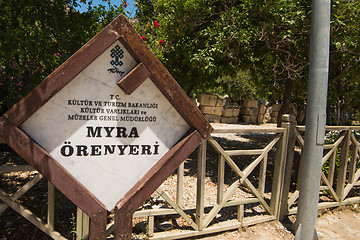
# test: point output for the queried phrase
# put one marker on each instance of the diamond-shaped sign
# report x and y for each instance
(107, 127)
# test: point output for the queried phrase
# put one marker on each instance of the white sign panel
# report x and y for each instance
(106, 139)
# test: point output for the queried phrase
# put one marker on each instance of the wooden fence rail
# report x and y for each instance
(10, 200)
(341, 166)
(273, 196)
(204, 215)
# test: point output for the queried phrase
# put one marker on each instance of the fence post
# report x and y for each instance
(180, 185)
(343, 166)
(51, 206)
(288, 122)
(201, 169)
(352, 165)
(221, 177)
(82, 225)
(279, 167)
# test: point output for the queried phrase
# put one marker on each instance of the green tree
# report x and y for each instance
(282, 51)
(237, 87)
(286, 39)
(204, 40)
(37, 36)
(344, 78)
(196, 36)
(214, 38)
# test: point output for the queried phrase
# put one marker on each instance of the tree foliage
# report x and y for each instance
(37, 36)
(344, 78)
(197, 37)
(254, 48)
(214, 38)
(204, 40)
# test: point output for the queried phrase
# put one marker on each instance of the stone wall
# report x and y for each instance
(274, 112)
(263, 113)
(211, 106)
(254, 111)
(218, 109)
(299, 112)
(231, 113)
(249, 111)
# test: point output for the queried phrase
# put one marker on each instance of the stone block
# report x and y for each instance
(229, 119)
(249, 111)
(212, 118)
(212, 110)
(211, 100)
(267, 118)
(250, 103)
(250, 119)
(260, 119)
(231, 105)
(262, 109)
(231, 112)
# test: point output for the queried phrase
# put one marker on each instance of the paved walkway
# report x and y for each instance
(339, 225)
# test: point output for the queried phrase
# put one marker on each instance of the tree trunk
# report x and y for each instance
(286, 105)
(340, 103)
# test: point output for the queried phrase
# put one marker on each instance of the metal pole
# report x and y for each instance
(315, 121)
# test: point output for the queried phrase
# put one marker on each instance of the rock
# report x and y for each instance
(250, 103)
(267, 117)
(212, 118)
(141, 227)
(211, 100)
(229, 119)
(262, 109)
(260, 118)
(164, 226)
(211, 110)
(231, 110)
(249, 111)
(249, 119)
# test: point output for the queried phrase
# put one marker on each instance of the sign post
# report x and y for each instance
(107, 127)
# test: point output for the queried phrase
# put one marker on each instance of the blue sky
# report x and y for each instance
(130, 7)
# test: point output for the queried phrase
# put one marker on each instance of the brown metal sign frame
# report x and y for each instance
(148, 66)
